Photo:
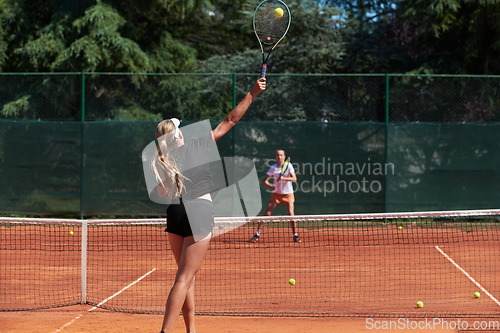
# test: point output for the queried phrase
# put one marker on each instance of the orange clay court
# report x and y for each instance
(345, 274)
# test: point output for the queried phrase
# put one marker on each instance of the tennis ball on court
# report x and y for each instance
(420, 304)
(477, 294)
(291, 282)
(400, 228)
(278, 12)
(71, 233)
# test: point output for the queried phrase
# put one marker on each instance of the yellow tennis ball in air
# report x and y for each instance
(291, 282)
(420, 304)
(278, 12)
(477, 294)
(400, 228)
(71, 233)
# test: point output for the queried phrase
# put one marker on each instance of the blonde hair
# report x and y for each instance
(163, 163)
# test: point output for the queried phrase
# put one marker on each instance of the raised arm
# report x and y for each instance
(235, 115)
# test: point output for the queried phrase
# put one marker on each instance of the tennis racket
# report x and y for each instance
(284, 167)
(271, 21)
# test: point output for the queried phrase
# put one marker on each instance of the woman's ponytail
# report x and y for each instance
(164, 166)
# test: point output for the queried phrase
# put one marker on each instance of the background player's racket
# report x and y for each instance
(271, 21)
(284, 167)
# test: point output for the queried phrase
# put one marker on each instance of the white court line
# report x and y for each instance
(71, 322)
(104, 301)
(125, 288)
(468, 275)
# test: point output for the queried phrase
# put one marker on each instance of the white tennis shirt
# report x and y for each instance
(282, 187)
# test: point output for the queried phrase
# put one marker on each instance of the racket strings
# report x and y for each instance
(269, 28)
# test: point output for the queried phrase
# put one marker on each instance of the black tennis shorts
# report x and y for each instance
(195, 217)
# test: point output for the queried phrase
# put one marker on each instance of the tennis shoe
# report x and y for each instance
(296, 239)
(254, 239)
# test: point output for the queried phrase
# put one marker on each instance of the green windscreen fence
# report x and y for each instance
(95, 168)
(443, 166)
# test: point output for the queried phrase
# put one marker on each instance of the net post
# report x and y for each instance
(82, 150)
(386, 98)
(386, 150)
(234, 90)
(83, 264)
(83, 98)
(234, 105)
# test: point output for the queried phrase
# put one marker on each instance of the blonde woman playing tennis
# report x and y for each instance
(182, 173)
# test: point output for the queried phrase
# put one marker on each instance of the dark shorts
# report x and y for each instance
(199, 212)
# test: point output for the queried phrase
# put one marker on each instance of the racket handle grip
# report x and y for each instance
(263, 71)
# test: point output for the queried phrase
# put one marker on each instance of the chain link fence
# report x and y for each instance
(71, 143)
(289, 97)
(469, 99)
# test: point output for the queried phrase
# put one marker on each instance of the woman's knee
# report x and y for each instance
(192, 281)
(186, 280)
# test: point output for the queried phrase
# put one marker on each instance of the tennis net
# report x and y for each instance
(370, 265)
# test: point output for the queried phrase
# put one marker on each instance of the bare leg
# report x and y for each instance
(182, 293)
(176, 244)
(269, 211)
(290, 208)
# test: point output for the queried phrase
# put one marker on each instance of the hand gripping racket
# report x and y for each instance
(284, 167)
(271, 21)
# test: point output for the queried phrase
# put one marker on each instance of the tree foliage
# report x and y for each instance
(216, 36)
(460, 37)
(439, 36)
(424, 36)
(318, 48)
(53, 36)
